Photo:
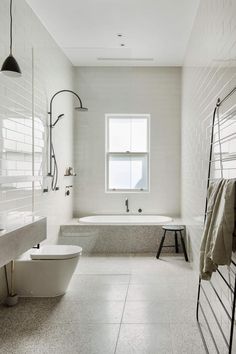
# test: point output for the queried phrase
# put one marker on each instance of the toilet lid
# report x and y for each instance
(56, 252)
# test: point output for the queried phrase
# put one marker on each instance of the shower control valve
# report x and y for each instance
(67, 192)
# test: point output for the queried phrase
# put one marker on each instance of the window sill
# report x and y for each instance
(127, 191)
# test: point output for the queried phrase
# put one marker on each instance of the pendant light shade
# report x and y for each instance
(10, 67)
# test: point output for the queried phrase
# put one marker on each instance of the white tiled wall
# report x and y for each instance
(24, 120)
(155, 91)
(209, 72)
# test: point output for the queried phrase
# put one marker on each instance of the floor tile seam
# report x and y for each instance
(81, 322)
(67, 322)
(93, 300)
(166, 301)
(162, 300)
(148, 323)
(169, 322)
(103, 274)
(88, 300)
(118, 335)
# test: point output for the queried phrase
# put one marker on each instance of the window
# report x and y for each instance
(127, 152)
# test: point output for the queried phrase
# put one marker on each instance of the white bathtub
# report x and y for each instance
(125, 220)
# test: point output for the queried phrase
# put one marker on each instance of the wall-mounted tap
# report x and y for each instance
(127, 205)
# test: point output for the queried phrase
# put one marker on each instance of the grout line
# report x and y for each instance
(118, 336)
(102, 274)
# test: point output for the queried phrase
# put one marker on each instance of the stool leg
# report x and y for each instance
(183, 245)
(161, 244)
(176, 243)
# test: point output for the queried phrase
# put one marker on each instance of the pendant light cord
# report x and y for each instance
(10, 26)
(10, 67)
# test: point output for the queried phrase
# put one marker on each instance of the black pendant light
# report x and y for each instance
(10, 66)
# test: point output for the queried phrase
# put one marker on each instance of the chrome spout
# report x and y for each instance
(127, 205)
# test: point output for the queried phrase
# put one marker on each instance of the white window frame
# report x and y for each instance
(108, 153)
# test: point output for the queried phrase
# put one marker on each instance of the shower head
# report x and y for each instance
(58, 118)
(81, 109)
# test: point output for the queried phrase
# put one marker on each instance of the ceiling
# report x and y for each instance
(119, 32)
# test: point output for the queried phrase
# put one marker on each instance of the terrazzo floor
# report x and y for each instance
(115, 304)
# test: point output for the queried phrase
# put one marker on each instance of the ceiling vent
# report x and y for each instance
(125, 59)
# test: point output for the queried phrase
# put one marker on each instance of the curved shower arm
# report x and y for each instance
(57, 93)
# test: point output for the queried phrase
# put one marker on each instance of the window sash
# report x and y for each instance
(125, 154)
(109, 117)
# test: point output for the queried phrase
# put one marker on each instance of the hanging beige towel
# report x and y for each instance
(216, 243)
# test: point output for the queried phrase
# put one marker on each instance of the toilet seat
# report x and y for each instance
(56, 252)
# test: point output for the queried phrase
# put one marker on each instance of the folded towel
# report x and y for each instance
(217, 238)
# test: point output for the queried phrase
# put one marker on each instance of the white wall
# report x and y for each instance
(209, 72)
(52, 71)
(128, 90)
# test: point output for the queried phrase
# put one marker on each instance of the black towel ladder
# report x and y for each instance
(218, 124)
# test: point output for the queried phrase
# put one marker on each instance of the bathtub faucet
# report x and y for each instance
(127, 204)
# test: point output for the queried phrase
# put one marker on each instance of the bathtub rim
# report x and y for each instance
(167, 220)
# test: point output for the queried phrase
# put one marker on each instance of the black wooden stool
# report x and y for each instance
(175, 229)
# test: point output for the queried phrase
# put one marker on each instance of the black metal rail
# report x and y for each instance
(218, 124)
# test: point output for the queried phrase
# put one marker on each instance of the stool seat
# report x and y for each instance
(173, 227)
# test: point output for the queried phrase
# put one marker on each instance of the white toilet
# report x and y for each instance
(45, 272)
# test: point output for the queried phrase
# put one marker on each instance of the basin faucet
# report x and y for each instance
(127, 205)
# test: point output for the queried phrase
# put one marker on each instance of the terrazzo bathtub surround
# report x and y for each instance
(108, 239)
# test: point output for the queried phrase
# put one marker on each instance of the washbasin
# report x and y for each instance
(18, 237)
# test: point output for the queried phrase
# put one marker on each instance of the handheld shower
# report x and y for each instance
(55, 167)
(58, 118)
